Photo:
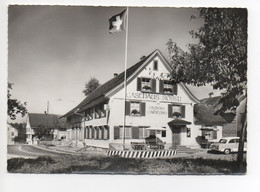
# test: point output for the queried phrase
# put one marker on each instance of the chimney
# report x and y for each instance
(115, 74)
(210, 94)
(143, 57)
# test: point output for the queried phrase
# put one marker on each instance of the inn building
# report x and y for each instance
(154, 105)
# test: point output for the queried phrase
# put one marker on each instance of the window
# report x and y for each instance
(97, 114)
(134, 109)
(12, 133)
(222, 141)
(91, 133)
(146, 85)
(168, 87)
(89, 113)
(155, 65)
(175, 111)
(87, 133)
(106, 132)
(209, 134)
(188, 132)
(100, 132)
(163, 133)
(102, 111)
(232, 141)
(128, 132)
(143, 133)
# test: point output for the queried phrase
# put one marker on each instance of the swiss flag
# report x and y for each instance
(117, 23)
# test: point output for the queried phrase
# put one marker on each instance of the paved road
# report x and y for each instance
(29, 151)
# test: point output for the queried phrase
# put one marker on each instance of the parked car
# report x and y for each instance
(154, 142)
(227, 145)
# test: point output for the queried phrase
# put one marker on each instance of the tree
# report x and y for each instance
(219, 58)
(91, 85)
(21, 128)
(14, 106)
(44, 133)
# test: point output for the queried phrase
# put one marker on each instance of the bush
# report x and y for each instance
(16, 163)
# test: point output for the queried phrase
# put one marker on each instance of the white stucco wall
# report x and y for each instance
(116, 104)
(153, 104)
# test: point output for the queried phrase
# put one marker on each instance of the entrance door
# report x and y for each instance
(176, 137)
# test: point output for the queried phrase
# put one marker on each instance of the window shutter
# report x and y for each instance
(127, 108)
(102, 132)
(135, 132)
(93, 132)
(169, 111)
(214, 134)
(139, 81)
(142, 109)
(183, 111)
(88, 130)
(161, 86)
(85, 132)
(153, 85)
(175, 89)
(107, 132)
(116, 132)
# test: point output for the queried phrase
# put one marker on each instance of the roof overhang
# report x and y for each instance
(178, 122)
(209, 129)
(156, 128)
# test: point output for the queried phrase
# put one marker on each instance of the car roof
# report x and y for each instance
(230, 138)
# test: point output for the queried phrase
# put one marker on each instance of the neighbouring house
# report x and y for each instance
(155, 106)
(227, 120)
(12, 132)
(44, 121)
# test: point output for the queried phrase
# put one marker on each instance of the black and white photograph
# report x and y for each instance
(127, 90)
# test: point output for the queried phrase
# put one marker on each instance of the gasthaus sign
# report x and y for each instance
(156, 110)
(153, 97)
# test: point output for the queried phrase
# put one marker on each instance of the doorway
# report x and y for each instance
(176, 136)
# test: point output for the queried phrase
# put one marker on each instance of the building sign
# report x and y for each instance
(154, 97)
(157, 110)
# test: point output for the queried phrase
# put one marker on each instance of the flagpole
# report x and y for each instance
(126, 41)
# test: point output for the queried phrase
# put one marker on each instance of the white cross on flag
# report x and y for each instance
(117, 23)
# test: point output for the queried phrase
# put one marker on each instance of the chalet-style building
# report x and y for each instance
(153, 101)
(44, 121)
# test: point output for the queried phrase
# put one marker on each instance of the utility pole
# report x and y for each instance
(46, 113)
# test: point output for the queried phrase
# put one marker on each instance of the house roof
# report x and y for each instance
(210, 101)
(42, 120)
(178, 122)
(205, 112)
(204, 115)
(101, 91)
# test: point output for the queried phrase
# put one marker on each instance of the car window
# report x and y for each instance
(222, 141)
(237, 140)
(232, 141)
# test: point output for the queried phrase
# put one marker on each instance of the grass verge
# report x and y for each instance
(85, 164)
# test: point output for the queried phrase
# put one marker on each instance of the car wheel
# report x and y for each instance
(227, 151)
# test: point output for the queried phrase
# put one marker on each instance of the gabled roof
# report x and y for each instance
(210, 101)
(42, 120)
(204, 115)
(99, 94)
(178, 122)
(205, 112)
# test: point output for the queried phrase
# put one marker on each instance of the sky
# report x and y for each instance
(54, 50)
